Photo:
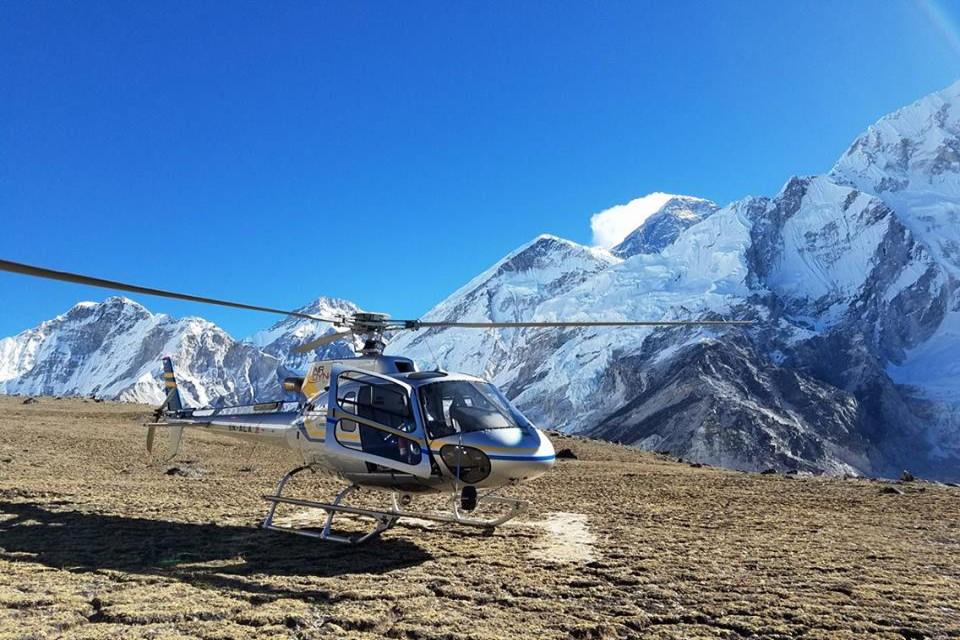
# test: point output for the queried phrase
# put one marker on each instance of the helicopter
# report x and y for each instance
(376, 422)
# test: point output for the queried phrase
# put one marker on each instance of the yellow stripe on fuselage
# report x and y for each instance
(315, 428)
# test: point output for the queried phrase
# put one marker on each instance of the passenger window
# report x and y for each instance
(381, 402)
(350, 399)
(346, 434)
(375, 399)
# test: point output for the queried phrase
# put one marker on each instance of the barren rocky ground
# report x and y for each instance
(97, 541)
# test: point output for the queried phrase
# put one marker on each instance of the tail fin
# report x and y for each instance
(172, 403)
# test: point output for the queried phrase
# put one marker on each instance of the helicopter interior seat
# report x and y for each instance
(456, 405)
(443, 411)
(472, 412)
(371, 439)
(384, 407)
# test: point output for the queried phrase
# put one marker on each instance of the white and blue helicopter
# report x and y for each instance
(376, 422)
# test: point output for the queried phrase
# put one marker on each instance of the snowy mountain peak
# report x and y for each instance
(120, 301)
(664, 225)
(911, 159)
(511, 290)
(282, 338)
(113, 349)
(818, 244)
(534, 271)
(114, 306)
(545, 249)
(916, 148)
(611, 226)
(324, 307)
(329, 307)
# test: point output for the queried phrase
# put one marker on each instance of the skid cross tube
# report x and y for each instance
(382, 521)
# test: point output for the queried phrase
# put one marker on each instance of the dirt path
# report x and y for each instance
(96, 543)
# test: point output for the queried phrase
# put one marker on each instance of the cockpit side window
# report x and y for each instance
(462, 406)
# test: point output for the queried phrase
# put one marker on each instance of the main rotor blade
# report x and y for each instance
(601, 323)
(321, 341)
(64, 276)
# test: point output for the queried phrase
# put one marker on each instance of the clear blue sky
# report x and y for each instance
(388, 151)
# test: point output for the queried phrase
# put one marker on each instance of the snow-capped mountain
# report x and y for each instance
(705, 394)
(113, 349)
(510, 290)
(851, 277)
(665, 225)
(282, 338)
(910, 159)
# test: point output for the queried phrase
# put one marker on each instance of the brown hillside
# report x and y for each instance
(97, 543)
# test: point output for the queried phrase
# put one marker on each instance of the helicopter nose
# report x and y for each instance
(526, 463)
(496, 457)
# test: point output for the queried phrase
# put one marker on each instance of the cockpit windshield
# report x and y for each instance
(462, 406)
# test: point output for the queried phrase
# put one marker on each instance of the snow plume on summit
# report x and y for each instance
(612, 225)
(665, 225)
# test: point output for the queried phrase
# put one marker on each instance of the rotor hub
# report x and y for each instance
(370, 317)
(370, 326)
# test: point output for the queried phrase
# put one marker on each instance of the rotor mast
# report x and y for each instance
(370, 326)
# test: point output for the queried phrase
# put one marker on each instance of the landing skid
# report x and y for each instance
(382, 520)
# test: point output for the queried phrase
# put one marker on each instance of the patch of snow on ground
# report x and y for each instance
(567, 538)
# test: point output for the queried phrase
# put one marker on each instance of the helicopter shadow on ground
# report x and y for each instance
(59, 536)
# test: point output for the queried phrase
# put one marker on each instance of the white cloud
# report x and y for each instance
(612, 225)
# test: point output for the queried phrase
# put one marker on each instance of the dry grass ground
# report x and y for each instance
(96, 543)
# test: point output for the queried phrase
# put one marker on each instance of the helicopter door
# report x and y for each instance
(371, 418)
